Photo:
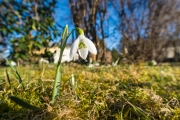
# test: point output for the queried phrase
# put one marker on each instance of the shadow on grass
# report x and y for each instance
(8, 112)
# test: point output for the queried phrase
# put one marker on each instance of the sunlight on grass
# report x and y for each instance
(120, 92)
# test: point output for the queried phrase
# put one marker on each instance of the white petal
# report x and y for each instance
(90, 45)
(83, 52)
(74, 48)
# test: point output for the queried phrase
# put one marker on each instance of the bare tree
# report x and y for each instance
(27, 25)
(91, 16)
(147, 26)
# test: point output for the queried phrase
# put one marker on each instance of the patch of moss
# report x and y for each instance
(120, 92)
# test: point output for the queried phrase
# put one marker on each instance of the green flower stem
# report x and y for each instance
(57, 80)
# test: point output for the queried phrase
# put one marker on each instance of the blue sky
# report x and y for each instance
(63, 17)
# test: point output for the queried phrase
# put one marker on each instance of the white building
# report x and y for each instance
(65, 57)
(56, 53)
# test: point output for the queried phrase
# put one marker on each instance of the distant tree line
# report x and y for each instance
(27, 25)
(146, 26)
(91, 15)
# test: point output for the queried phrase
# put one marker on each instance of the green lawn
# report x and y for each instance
(127, 92)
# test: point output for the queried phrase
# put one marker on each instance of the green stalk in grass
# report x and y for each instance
(57, 80)
(7, 75)
(81, 44)
(15, 70)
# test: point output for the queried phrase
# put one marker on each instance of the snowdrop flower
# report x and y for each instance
(11, 62)
(83, 45)
(73, 83)
(72, 80)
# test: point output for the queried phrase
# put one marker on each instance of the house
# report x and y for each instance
(54, 53)
(172, 52)
(65, 56)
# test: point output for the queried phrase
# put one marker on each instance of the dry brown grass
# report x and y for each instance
(121, 92)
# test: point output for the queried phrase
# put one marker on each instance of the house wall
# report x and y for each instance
(171, 53)
(65, 57)
(56, 53)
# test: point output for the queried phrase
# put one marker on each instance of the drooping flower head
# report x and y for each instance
(82, 45)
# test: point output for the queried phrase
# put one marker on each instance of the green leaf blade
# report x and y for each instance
(23, 103)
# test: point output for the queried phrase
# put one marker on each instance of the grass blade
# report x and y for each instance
(23, 103)
(10, 64)
(20, 80)
(8, 78)
(19, 77)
